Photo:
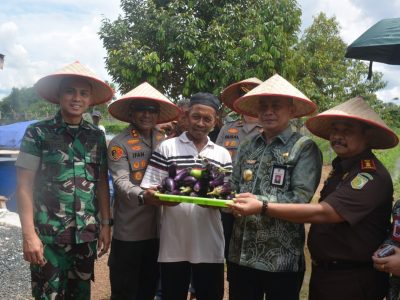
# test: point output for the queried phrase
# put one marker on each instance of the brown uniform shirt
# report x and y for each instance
(360, 189)
(233, 133)
(128, 155)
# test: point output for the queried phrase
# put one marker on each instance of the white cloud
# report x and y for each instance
(39, 37)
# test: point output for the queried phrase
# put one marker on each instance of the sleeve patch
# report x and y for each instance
(360, 181)
(116, 153)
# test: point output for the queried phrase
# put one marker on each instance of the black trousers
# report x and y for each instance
(133, 269)
(348, 284)
(208, 280)
(227, 223)
(251, 284)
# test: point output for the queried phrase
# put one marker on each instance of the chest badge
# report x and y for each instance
(247, 175)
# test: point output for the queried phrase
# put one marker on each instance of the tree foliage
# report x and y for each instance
(182, 47)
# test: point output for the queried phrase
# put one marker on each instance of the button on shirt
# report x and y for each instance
(67, 161)
(286, 170)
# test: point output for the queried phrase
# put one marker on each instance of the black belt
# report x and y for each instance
(341, 264)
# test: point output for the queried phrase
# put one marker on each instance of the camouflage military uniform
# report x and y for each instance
(277, 173)
(67, 161)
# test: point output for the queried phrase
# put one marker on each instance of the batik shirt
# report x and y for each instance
(286, 170)
(67, 161)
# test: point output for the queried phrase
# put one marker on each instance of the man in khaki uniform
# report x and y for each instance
(135, 243)
(231, 135)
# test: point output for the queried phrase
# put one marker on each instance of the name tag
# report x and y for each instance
(278, 175)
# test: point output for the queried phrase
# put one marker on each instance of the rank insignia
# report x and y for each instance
(136, 148)
(251, 161)
(368, 165)
(360, 181)
(233, 130)
(134, 141)
(285, 155)
(134, 133)
(116, 153)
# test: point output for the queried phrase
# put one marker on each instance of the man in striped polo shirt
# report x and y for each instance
(191, 237)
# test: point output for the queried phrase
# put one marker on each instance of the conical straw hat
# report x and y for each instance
(381, 136)
(121, 108)
(48, 86)
(235, 90)
(278, 87)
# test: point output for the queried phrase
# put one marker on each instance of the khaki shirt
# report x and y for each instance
(233, 133)
(128, 155)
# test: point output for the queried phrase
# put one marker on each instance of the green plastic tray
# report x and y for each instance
(195, 200)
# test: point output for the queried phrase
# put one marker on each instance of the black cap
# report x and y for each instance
(205, 99)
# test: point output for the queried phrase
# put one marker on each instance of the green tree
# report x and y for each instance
(182, 47)
(324, 74)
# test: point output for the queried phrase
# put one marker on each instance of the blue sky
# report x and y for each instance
(41, 36)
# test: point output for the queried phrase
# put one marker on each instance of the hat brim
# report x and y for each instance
(121, 109)
(379, 136)
(248, 105)
(48, 88)
(232, 92)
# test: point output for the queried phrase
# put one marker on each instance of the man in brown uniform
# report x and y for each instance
(352, 217)
(134, 247)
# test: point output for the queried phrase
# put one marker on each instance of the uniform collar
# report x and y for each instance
(283, 137)
(345, 164)
(60, 123)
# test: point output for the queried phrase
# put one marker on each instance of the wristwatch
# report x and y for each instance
(141, 198)
(107, 222)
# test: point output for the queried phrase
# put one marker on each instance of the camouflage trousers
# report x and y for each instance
(67, 272)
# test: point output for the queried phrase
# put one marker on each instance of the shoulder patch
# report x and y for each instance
(359, 181)
(368, 165)
(116, 153)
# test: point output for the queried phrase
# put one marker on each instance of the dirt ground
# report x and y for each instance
(101, 286)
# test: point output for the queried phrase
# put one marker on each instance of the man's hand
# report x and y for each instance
(103, 244)
(388, 264)
(245, 204)
(151, 199)
(33, 249)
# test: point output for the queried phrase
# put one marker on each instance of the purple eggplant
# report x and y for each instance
(229, 196)
(197, 186)
(189, 180)
(170, 184)
(219, 180)
(172, 170)
(180, 175)
(174, 192)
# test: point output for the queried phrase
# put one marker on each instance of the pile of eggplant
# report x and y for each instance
(209, 181)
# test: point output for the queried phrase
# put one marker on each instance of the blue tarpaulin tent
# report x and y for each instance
(11, 135)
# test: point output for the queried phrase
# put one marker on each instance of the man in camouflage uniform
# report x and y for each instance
(266, 254)
(134, 248)
(62, 187)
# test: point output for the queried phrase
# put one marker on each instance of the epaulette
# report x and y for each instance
(368, 165)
